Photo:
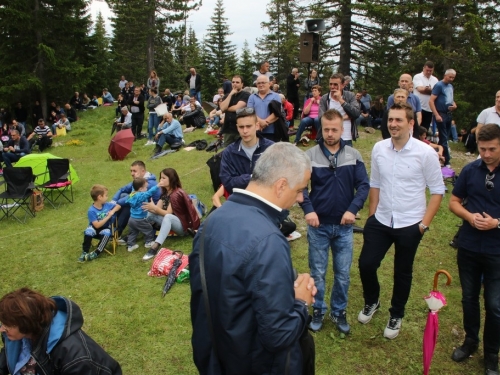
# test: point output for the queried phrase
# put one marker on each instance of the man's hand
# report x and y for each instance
(312, 219)
(438, 118)
(305, 288)
(473, 217)
(11, 148)
(348, 218)
(337, 95)
(452, 107)
(485, 222)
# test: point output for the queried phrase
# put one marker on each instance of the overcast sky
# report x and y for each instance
(244, 18)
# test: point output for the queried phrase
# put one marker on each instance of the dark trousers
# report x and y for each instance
(378, 238)
(123, 216)
(10, 157)
(444, 129)
(137, 120)
(475, 269)
(426, 119)
(42, 142)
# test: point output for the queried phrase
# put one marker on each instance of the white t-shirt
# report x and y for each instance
(192, 82)
(346, 135)
(489, 116)
(421, 80)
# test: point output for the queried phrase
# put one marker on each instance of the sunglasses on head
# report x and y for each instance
(333, 162)
(488, 183)
(242, 112)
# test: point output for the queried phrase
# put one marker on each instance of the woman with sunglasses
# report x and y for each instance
(43, 335)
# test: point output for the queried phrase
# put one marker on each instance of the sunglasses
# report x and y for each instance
(333, 162)
(242, 112)
(488, 183)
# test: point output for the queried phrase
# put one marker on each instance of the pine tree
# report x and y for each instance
(221, 58)
(246, 65)
(280, 45)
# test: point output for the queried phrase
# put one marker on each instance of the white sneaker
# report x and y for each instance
(293, 236)
(366, 314)
(148, 245)
(149, 143)
(393, 327)
(121, 241)
(183, 141)
(132, 248)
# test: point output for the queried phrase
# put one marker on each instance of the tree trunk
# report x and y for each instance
(345, 38)
(448, 34)
(150, 54)
(40, 68)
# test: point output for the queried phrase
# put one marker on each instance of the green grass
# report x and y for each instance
(147, 334)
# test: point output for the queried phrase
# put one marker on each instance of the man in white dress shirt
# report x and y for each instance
(401, 168)
(490, 115)
(423, 83)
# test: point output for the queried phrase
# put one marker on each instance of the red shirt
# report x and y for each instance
(288, 110)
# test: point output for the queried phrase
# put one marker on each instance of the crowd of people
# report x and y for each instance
(252, 284)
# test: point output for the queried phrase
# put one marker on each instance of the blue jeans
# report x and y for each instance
(193, 92)
(475, 269)
(444, 129)
(167, 138)
(454, 135)
(215, 120)
(305, 123)
(152, 125)
(168, 222)
(10, 157)
(339, 239)
(368, 120)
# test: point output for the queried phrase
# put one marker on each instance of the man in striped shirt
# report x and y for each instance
(42, 136)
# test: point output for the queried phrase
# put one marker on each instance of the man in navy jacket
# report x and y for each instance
(258, 312)
(339, 188)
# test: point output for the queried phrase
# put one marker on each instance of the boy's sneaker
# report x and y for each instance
(132, 248)
(393, 327)
(149, 143)
(341, 322)
(317, 320)
(81, 259)
(122, 241)
(150, 254)
(91, 256)
(366, 314)
(148, 245)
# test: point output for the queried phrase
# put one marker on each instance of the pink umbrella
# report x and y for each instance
(435, 300)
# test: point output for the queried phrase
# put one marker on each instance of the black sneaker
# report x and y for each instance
(490, 364)
(340, 322)
(317, 320)
(463, 352)
(150, 254)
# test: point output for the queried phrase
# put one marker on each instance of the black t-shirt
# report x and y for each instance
(230, 117)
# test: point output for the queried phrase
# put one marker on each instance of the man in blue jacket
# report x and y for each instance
(339, 188)
(137, 169)
(239, 158)
(258, 310)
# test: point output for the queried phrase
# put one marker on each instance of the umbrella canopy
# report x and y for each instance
(38, 162)
(173, 273)
(121, 144)
(435, 300)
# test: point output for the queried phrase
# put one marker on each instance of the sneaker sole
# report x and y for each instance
(391, 337)
(369, 320)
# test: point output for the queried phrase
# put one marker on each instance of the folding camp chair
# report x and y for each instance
(59, 184)
(110, 247)
(19, 183)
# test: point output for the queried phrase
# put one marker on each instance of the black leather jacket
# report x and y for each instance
(63, 348)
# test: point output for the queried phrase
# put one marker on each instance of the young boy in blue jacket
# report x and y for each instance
(137, 222)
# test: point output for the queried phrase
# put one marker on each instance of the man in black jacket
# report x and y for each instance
(136, 103)
(194, 82)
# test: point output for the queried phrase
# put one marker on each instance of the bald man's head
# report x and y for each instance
(404, 81)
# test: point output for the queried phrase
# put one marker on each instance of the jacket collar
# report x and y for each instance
(275, 213)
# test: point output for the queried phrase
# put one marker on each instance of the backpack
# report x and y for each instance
(201, 209)
(200, 144)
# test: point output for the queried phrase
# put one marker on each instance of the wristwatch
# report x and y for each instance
(498, 225)
(424, 227)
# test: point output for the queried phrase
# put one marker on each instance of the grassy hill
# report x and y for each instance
(147, 334)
